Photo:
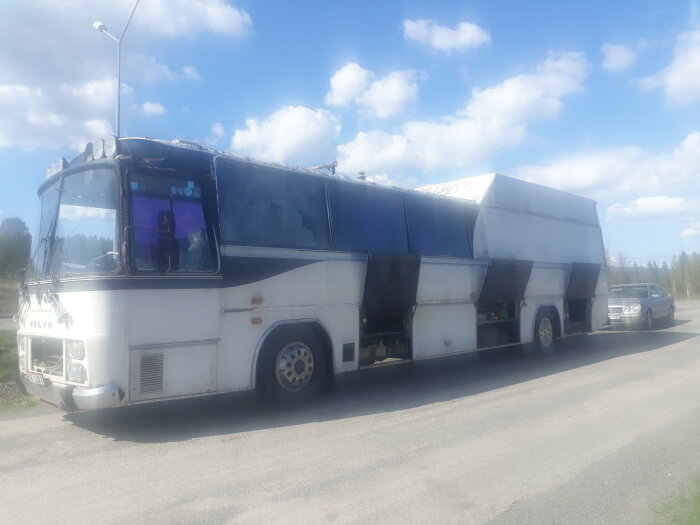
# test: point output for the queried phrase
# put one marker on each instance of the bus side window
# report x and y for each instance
(367, 218)
(438, 227)
(265, 206)
(145, 211)
(170, 235)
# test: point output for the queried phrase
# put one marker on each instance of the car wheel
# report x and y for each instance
(292, 367)
(671, 316)
(649, 321)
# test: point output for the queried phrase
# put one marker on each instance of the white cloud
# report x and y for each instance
(627, 171)
(382, 98)
(216, 133)
(62, 77)
(680, 81)
(654, 208)
(65, 115)
(191, 73)
(348, 84)
(617, 57)
(389, 95)
(441, 38)
(217, 129)
(693, 231)
(292, 134)
(399, 181)
(152, 109)
(190, 17)
(493, 119)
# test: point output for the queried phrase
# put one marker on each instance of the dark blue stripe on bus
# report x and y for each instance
(236, 271)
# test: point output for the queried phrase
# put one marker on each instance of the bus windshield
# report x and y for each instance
(78, 229)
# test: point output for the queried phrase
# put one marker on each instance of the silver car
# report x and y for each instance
(640, 305)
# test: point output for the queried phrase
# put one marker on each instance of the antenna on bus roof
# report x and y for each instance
(330, 167)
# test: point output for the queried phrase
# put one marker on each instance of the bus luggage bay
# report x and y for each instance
(167, 270)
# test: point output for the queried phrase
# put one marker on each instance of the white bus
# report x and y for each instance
(168, 270)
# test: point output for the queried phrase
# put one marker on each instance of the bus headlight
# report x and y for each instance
(76, 373)
(22, 352)
(76, 350)
(634, 309)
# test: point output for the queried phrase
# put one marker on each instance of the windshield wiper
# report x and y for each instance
(51, 297)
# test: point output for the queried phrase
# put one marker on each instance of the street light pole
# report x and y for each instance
(99, 26)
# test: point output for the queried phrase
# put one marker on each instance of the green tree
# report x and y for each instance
(15, 244)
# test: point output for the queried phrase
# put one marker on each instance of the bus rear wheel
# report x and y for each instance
(292, 367)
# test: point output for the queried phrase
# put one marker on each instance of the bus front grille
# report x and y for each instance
(47, 356)
(151, 379)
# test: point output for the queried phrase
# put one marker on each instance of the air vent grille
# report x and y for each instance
(151, 373)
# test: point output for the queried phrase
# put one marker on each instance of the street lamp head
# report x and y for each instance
(99, 26)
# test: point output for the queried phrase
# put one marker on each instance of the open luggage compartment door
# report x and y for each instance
(498, 306)
(388, 302)
(580, 293)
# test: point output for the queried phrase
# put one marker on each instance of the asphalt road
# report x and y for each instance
(606, 430)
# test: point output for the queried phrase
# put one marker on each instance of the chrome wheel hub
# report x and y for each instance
(294, 366)
(546, 332)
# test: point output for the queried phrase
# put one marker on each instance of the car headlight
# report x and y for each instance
(22, 352)
(634, 309)
(76, 350)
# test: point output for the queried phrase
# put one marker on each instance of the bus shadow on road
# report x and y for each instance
(374, 391)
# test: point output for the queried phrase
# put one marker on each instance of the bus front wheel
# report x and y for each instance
(292, 367)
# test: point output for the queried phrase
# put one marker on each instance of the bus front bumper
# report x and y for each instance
(69, 397)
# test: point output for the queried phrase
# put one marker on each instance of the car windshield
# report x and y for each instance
(83, 227)
(628, 292)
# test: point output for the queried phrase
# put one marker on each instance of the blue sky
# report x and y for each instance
(598, 98)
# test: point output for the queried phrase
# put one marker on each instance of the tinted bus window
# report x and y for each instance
(367, 218)
(438, 226)
(262, 206)
(169, 231)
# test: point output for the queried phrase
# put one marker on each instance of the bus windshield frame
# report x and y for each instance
(79, 231)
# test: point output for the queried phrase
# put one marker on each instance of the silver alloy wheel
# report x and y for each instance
(294, 366)
(650, 320)
(546, 332)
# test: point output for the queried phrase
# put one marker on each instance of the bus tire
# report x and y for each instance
(292, 366)
(543, 335)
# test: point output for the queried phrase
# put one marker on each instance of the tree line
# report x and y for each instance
(681, 277)
(15, 244)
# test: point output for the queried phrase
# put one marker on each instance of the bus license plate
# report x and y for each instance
(614, 316)
(35, 378)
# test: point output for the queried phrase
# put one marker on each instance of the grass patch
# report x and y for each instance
(9, 291)
(684, 510)
(10, 394)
